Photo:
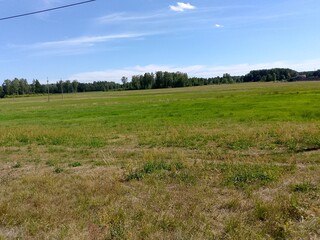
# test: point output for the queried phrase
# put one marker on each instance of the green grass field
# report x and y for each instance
(235, 161)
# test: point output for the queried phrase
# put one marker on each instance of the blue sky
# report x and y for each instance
(107, 39)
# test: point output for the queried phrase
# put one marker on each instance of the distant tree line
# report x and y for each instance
(17, 87)
(269, 75)
(178, 79)
(151, 81)
(311, 75)
(175, 79)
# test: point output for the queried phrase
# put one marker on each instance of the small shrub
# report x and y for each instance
(278, 232)
(303, 187)
(244, 175)
(23, 139)
(75, 164)
(241, 144)
(152, 167)
(58, 170)
(249, 176)
(276, 214)
(138, 175)
(58, 141)
(261, 211)
(117, 230)
(231, 227)
(17, 165)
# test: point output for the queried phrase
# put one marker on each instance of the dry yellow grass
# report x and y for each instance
(171, 167)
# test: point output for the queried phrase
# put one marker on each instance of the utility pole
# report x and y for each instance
(48, 90)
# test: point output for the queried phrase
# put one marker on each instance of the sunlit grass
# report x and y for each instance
(234, 161)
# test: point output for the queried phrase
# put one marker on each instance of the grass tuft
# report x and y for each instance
(75, 164)
(304, 187)
(245, 175)
(17, 165)
(153, 167)
(117, 227)
(58, 170)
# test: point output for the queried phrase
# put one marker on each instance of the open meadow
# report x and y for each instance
(238, 161)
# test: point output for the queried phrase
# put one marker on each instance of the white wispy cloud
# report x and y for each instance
(180, 7)
(193, 70)
(85, 40)
(218, 25)
(75, 46)
(122, 16)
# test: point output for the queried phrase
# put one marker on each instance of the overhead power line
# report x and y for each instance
(46, 10)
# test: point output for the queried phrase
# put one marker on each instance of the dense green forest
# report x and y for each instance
(156, 80)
